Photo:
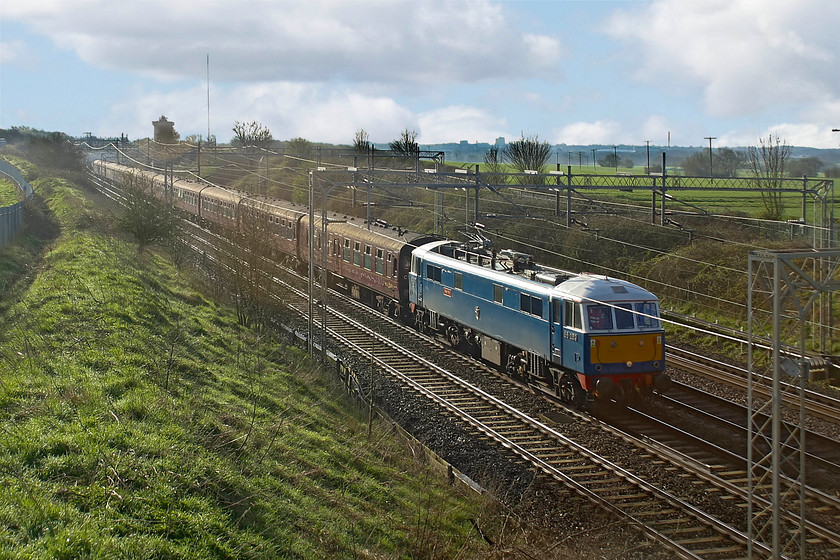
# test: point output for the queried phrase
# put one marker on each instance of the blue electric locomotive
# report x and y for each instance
(589, 336)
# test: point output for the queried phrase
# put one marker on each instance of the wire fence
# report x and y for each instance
(11, 217)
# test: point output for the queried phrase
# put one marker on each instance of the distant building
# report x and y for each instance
(164, 130)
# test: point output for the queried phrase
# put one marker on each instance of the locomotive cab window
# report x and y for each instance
(647, 319)
(557, 310)
(598, 317)
(572, 316)
(624, 316)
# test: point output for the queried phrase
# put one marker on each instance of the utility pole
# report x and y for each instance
(710, 138)
(647, 146)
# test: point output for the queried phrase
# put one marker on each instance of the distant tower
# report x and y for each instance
(164, 130)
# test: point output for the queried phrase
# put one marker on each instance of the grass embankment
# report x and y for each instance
(9, 193)
(139, 420)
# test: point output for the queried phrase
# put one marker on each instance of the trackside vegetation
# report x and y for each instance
(9, 193)
(139, 419)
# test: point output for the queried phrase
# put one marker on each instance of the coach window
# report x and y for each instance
(498, 293)
(346, 250)
(395, 267)
(572, 315)
(599, 317)
(368, 258)
(357, 253)
(380, 261)
(624, 316)
(458, 280)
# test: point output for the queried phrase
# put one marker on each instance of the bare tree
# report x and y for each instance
(728, 161)
(808, 166)
(725, 162)
(528, 154)
(147, 214)
(406, 145)
(493, 161)
(300, 148)
(609, 159)
(246, 267)
(696, 164)
(56, 151)
(251, 134)
(768, 162)
(361, 141)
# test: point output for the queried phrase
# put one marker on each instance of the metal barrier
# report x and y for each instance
(11, 217)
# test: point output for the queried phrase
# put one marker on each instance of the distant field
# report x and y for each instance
(686, 194)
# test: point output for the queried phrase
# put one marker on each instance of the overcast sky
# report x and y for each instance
(573, 72)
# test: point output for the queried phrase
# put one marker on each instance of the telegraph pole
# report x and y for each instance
(710, 138)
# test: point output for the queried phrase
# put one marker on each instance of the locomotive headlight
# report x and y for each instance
(641, 343)
(629, 363)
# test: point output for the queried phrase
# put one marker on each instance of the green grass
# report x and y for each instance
(9, 193)
(139, 420)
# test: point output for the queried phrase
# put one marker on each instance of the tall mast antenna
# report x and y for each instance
(208, 97)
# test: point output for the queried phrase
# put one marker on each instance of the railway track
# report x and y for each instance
(683, 528)
(676, 524)
(818, 405)
(717, 457)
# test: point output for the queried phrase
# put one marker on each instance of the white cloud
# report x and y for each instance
(316, 40)
(793, 134)
(746, 55)
(456, 123)
(585, 133)
(15, 52)
(287, 109)
(655, 129)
